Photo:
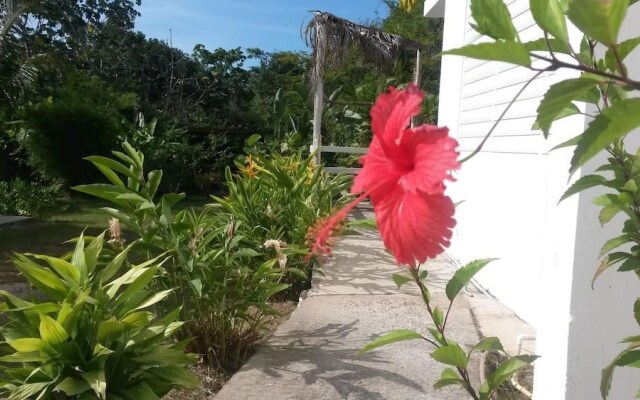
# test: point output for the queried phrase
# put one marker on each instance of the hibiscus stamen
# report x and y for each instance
(322, 234)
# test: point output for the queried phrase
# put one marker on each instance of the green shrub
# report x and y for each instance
(223, 284)
(35, 199)
(64, 132)
(279, 198)
(191, 161)
(94, 335)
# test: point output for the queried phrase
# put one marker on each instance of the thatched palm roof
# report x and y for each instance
(332, 37)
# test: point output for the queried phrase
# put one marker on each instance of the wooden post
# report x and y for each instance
(318, 99)
(318, 106)
(417, 79)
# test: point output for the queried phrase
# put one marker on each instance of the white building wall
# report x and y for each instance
(548, 252)
(509, 191)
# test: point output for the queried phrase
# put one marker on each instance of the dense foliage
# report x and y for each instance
(83, 65)
(227, 261)
(94, 335)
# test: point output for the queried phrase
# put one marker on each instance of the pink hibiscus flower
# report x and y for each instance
(403, 174)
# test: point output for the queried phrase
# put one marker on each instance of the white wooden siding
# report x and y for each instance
(488, 88)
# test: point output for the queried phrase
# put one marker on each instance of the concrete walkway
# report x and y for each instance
(313, 355)
(5, 219)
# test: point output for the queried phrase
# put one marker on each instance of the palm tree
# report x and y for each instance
(331, 38)
(18, 70)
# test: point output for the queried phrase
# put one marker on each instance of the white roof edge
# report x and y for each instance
(434, 8)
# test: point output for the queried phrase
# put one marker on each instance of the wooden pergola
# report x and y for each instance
(332, 36)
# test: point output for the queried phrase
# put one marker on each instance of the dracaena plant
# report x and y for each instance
(93, 333)
(404, 175)
(604, 82)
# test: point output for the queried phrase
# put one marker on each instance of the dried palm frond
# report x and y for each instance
(332, 37)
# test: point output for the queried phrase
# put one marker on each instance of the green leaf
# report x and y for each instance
(629, 358)
(30, 345)
(398, 335)
(568, 111)
(103, 163)
(631, 264)
(613, 123)
(115, 264)
(244, 252)
(154, 299)
(196, 284)
(97, 381)
(72, 386)
(630, 186)
(138, 319)
(141, 391)
(51, 331)
(437, 336)
(451, 354)
(154, 178)
(599, 19)
(492, 18)
(438, 316)
(584, 183)
(165, 357)
(549, 15)
(552, 44)
(509, 52)
(624, 49)
(508, 368)
(444, 382)
(178, 376)
(608, 212)
(568, 143)
(558, 98)
(28, 390)
(400, 280)
(62, 267)
(109, 330)
(488, 343)
(614, 243)
(636, 310)
(103, 191)
(603, 266)
(42, 278)
(253, 139)
(463, 275)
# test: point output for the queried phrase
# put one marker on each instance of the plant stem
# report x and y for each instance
(464, 374)
(557, 64)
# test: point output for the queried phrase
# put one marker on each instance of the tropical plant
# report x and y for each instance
(277, 198)
(94, 333)
(223, 284)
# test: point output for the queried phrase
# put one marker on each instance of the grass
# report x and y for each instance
(49, 236)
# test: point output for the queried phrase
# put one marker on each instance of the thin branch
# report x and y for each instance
(557, 64)
(493, 128)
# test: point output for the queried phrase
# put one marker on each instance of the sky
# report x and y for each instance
(267, 24)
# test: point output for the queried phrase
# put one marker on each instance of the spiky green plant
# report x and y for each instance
(94, 333)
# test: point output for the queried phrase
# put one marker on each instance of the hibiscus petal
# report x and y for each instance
(415, 227)
(379, 173)
(391, 114)
(432, 154)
